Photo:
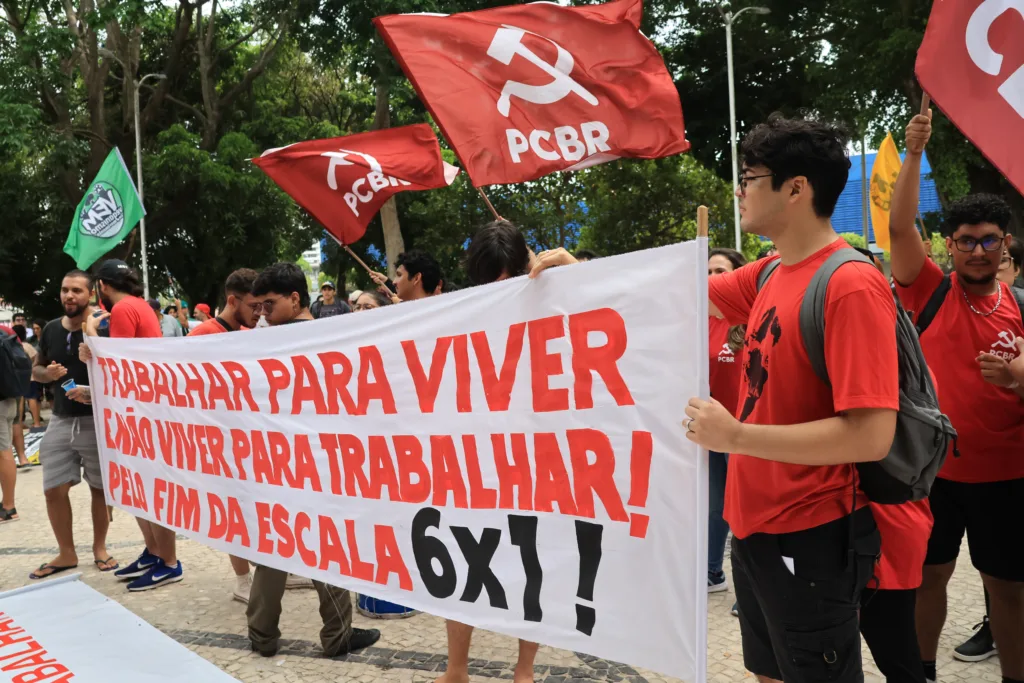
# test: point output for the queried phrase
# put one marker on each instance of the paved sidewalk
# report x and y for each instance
(200, 613)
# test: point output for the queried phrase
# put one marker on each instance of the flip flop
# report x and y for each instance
(102, 562)
(56, 570)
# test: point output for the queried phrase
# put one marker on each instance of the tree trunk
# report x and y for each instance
(393, 242)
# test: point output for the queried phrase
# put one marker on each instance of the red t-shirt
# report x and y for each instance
(724, 364)
(211, 326)
(989, 420)
(905, 530)
(131, 317)
(779, 387)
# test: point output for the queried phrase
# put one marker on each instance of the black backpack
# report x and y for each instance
(931, 308)
(923, 432)
(15, 367)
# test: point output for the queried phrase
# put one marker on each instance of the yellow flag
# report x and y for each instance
(883, 179)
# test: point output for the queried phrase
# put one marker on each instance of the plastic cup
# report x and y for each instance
(68, 385)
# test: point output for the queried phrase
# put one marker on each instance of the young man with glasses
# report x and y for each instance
(804, 543)
(69, 452)
(240, 312)
(284, 292)
(968, 345)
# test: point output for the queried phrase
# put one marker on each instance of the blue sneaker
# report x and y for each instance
(139, 567)
(716, 582)
(159, 575)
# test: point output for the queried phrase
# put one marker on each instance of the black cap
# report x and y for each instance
(154, 304)
(327, 284)
(113, 270)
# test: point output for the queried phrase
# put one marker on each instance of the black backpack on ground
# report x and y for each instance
(923, 432)
(15, 367)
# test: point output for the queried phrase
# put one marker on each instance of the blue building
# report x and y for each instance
(848, 216)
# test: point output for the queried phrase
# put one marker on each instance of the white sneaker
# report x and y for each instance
(243, 584)
(298, 582)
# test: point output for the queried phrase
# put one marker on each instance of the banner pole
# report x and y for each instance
(360, 261)
(490, 206)
(702, 221)
(926, 102)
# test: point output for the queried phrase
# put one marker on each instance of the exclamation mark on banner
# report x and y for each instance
(639, 482)
(588, 540)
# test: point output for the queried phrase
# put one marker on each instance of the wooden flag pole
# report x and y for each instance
(926, 103)
(369, 271)
(490, 206)
(702, 221)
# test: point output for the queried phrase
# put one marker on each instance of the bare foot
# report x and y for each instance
(453, 677)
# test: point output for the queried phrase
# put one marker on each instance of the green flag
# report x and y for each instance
(108, 211)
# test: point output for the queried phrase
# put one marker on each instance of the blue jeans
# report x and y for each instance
(718, 528)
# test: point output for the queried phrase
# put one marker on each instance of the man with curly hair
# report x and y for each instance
(968, 321)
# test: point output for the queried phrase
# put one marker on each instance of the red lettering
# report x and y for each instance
(513, 476)
(263, 470)
(278, 378)
(219, 390)
(597, 477)
(240, 450)
(352, 456)
(389, 558)
(145, 386)
(305, 466)
(160, 385)
(331, 549)
(40, 674)
(194, 385)
(427, 383)
(218, 516)
(601, 359)
(128, 378)
(409, 454)
(382, 470)
(117, 387)
(329, 443)
(285, 539)
(498, 386)
(463, 393)
(307, 387)
(107, 414)
(236, 523)
(264, 545)
(302, 524)
(544, 365)
(446, 472)
(370, 362)
(480, 497)
(240, 385)
(337, 373)
(552, 478)
(360, 570)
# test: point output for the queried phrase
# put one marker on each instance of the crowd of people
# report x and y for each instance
(815, 564)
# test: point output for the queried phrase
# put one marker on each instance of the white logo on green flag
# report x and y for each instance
(108, 211)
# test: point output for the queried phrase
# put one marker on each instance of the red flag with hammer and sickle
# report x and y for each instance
(344, 181)
(971, 63)
(524, 91)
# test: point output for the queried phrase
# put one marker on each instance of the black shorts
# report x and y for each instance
(989, 513)
(799, 596)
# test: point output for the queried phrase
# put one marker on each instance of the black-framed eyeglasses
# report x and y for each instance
(745, 179)
(988, 243)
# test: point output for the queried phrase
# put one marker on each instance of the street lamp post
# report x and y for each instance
(138, 161)
(729, 18)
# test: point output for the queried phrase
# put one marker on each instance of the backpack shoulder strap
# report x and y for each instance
(931, 308)
(1018, 296)
(766, 272)
(812, 310)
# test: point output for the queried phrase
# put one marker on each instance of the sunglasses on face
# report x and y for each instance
(988, 243)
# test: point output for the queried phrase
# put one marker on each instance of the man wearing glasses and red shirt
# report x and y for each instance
(968, 343)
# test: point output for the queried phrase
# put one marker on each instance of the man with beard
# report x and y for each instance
(968, 322)
(132, 318)
(69, 452)
(284, 296)
(240, 312)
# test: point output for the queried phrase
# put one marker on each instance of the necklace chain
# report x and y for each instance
(999, 300)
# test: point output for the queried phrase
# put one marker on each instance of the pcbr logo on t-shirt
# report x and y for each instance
(759, 343)
(1005, 346)
(726, 355)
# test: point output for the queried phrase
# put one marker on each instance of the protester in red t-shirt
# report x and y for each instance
(791, 482)
(131, 317)
(725, 345)
(968, 346)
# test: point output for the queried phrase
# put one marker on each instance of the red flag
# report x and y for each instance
(971, 63)
(524, 91)
(343, 182)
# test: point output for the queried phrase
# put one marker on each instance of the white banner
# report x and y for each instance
(62, 630)
(510, 456)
